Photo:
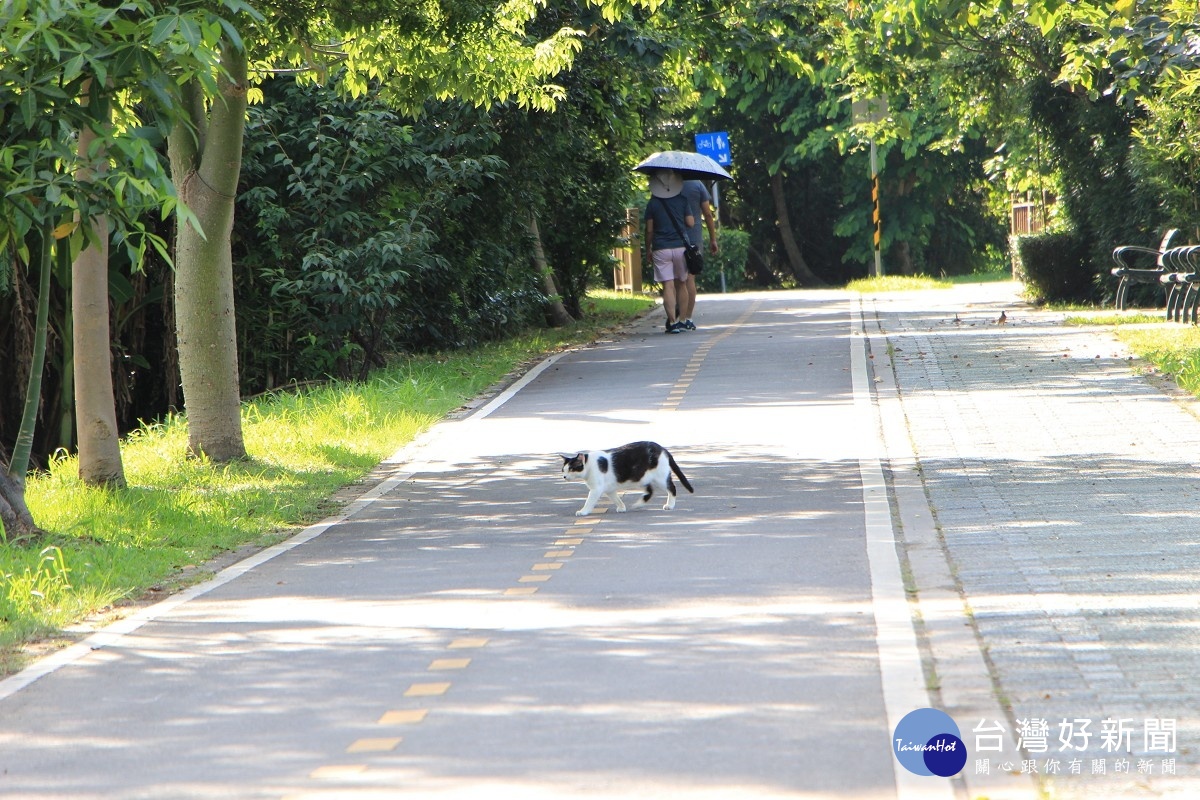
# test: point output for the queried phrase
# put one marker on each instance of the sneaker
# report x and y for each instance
(688, 325)
(675, 327)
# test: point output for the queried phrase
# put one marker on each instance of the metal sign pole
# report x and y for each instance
(716, 204)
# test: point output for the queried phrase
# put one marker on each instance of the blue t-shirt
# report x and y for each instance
(666, 234)
(697, 194)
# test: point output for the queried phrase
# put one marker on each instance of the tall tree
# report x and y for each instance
(95, 410)
(478, 52)
(206, 157)
(67, 62)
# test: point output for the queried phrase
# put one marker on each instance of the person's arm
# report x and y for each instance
(649, 236)
(706, 210)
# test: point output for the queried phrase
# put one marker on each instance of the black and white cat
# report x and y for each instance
(644, 464)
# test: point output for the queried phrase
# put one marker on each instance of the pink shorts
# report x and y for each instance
(669, 265)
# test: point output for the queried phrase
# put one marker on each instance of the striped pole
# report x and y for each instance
(875, 216)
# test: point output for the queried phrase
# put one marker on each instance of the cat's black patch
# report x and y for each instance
(602, 463)
(575, 463)
(632, 461)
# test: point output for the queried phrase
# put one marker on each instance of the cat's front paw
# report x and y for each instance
(581, 513)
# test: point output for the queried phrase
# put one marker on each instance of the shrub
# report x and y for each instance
(1053, 266)
(731, 256)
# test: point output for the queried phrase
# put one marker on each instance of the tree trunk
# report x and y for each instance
(205, 164)
(796, 262)
(904, 258)
(15, 520)
(559, 316)
(95, 408)
(23, 449)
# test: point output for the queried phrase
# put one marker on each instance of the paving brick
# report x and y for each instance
(1066, 490)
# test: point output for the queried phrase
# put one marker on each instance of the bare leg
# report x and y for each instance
(669, 301)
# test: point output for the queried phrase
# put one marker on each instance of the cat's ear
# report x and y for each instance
(566, 458)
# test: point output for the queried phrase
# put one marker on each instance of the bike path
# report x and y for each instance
(460, 633)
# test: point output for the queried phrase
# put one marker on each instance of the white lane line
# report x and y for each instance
(113, 632)
(896, 638)
(510, 392)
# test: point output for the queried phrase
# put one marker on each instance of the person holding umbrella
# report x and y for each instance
(668, 171)
(697, 194)
(668, 217)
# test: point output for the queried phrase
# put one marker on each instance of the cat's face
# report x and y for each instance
(572, 468)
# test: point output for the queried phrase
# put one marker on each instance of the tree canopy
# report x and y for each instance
(428, 175)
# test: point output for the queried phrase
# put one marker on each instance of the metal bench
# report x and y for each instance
(1129, 274)
(1181, 280)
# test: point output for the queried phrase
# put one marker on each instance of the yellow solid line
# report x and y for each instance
(465, 644)
(522, 591)
(537, 567)
(374, 745)
(338, 771)
(427, 689)
(406, 716)
(449, 663)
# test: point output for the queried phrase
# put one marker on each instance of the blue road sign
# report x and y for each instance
(716, 146)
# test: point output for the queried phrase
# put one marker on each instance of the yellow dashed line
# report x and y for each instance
(537, 567)
(409, 716)
(521, 591)
(427, 690)
(559, 554)
(465, 644)
(449, 663)
(567, 542)
(374, 745)
(533, 579)
(692, 368)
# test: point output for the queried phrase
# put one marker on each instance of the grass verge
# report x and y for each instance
(909, 283)
(112, 546)
(896, 283)
(1173, 349)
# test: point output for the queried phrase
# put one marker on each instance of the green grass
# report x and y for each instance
(896, 283)
(1173, 349)
(1114, 318)
(111, 545)
(908, 283)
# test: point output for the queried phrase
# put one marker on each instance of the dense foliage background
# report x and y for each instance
(381, 212)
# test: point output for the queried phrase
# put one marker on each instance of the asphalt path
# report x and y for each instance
(458, 632)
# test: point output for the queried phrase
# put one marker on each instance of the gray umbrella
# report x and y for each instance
(692, 166)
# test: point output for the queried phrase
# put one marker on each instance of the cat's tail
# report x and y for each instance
(679, 473)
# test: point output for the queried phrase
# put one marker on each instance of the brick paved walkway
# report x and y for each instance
(1065, 488)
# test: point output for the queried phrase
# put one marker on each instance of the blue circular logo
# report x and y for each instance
(928, 742)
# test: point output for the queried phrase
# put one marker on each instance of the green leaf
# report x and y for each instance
(164, 30)
(190, 32)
